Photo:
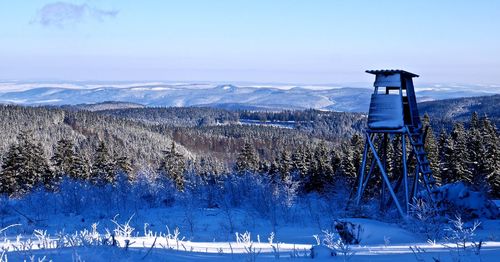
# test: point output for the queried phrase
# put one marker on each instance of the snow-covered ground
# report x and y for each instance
(129, 222)
(279, 124)
(173, 234)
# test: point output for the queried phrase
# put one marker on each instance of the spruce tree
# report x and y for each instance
(459, 163)
(247, 160)
(62, 159)
(300, 161)
(66, 162)
(274, 172)
(103, 170)
(124, 166)
(26, 164)
(474, 121)
(477, 157)
(321, 172)
(347, 165)
(491, 156)
(11, 170)
(173, 166)
(432, 149)
(445, 157)
(285, 164)
(41, 168)
(81, 168)
(357, 144)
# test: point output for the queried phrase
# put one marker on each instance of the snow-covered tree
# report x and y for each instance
(445, 151)
(301, 160)
(347, 168)
(123, 166)
(320, 173)
(460, 156)
(247, 160)
(173, 167)
(432, 149)
(357, 144)
(25, 166)
(103, 170)
(490, 157)
(285, 164)
(66, 161)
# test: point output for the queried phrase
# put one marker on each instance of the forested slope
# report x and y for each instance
(48, 125)
(444, 112)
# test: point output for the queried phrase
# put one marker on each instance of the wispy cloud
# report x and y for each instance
(62, 14)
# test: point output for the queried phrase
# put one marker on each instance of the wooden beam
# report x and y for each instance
(386, 179)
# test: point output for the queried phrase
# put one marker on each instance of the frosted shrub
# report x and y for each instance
(89, 237)
(173, 237)
(460, 242)
(244, 238)
(124, 229)
(335, 245)
(42, 237)
(289, 190)
(251, 252)
(463, 237)
(274, 246)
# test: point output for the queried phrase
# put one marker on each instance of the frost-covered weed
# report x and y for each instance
(252, 253)
(274, 246)
(43, 238)
(335, 243)
(460, 241)
(463, 238)
(174, 237)
(123, 229)
(244, 238)
(250, 250)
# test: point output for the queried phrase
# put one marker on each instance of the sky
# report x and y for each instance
(287, 41)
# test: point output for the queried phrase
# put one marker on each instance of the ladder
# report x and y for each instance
(417, 141)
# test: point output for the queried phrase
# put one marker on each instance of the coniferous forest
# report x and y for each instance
(41, 146)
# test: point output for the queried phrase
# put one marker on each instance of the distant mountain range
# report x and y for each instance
(227, 96)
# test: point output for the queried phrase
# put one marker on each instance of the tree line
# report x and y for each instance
(469, 154)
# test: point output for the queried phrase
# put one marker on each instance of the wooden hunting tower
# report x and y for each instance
(394, 113)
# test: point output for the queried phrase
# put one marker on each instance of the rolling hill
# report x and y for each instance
(225, 96)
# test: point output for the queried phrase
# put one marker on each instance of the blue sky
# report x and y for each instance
(316, 41)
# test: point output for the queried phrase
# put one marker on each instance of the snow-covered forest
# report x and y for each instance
(99, 186)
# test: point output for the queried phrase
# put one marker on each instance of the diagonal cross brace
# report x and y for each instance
(384, 176)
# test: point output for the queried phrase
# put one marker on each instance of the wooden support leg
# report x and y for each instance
(384, 163)
(386, 179)
(362, 173)
(405, 174)
(367, 176)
